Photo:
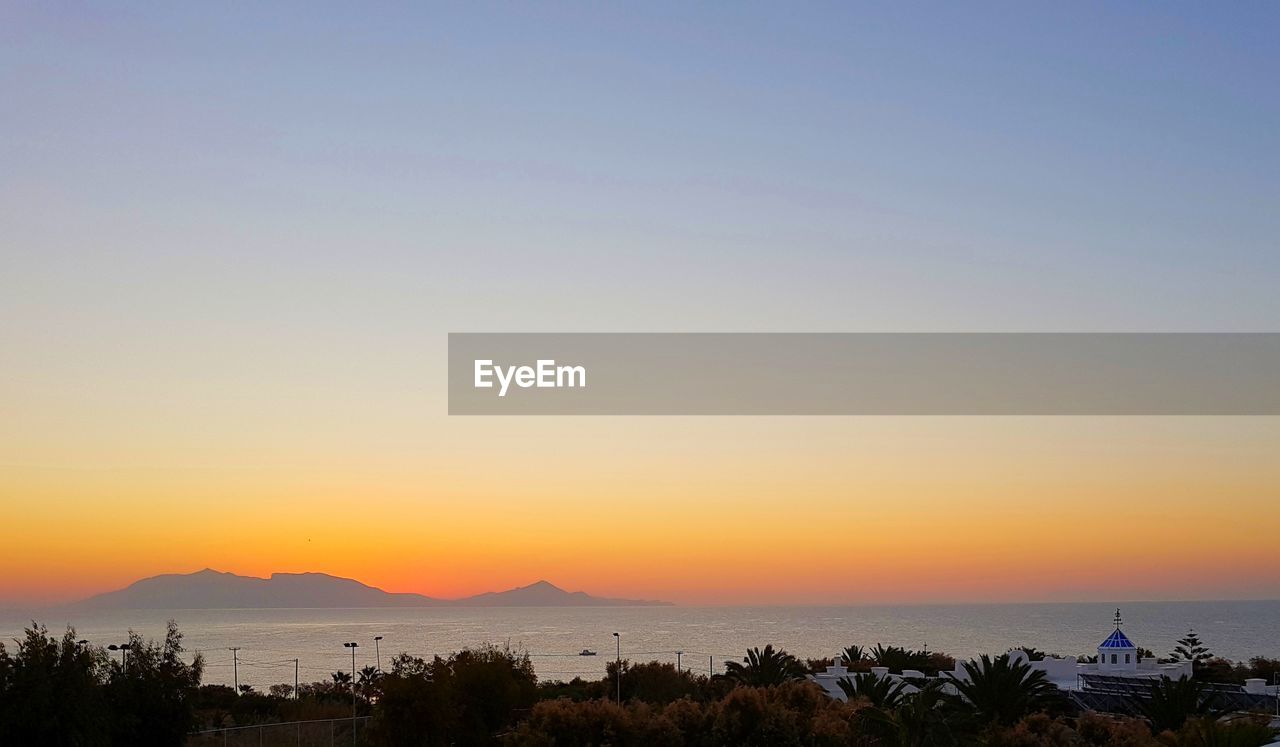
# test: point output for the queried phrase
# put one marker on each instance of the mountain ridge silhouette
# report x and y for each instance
(213, 589)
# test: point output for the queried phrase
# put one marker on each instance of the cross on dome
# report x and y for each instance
(1117, 639)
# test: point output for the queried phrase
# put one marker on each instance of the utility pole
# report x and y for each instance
(295, 679)
(235, 666)
(618, 666)
(711, 666)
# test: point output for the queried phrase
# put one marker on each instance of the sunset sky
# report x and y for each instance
(233, 240)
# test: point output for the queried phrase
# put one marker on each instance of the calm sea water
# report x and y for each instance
(269, 640)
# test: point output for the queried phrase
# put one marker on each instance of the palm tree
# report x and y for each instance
(1171, 702)
(897, 658)
(919, 721)
(341, 680)
(764, 667)
(1033, 653)
(1002, 691)
(887, 656)
(880, 692)
(854, 654)
(369, 681)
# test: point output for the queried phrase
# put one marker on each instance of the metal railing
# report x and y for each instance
(329, 732)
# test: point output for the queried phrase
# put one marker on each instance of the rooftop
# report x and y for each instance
(1117, 639)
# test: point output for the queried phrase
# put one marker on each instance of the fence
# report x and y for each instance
(332, 732)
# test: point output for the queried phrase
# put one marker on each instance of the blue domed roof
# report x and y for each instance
(1117, 640)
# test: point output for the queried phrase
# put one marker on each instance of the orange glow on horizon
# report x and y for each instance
(787, 511)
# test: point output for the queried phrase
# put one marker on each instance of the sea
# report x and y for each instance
(700, 639)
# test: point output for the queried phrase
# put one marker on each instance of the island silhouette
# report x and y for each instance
(210, 589)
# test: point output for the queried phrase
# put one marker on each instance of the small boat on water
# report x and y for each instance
(586, 652)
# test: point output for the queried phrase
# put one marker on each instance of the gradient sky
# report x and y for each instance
(233, 239)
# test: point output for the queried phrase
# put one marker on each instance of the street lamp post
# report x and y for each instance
(618, 665)
(377, 651)
(679, 654)
(353, 646)
(123, 648)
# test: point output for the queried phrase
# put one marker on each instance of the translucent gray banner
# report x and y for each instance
(864, 374)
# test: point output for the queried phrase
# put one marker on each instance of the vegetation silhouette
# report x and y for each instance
(916, 720)
(1001, 691)
(1245, 731)
(899, 659)
(66, 692)
(1171, 702)
(854, 655)
(879, 692)
(1191, 648)
(470, 697)
(763, 667)
(62, 691)
(1033, 653)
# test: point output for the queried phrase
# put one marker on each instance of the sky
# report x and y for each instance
(233, 238)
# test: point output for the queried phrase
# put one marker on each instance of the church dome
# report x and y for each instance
(1117, 639)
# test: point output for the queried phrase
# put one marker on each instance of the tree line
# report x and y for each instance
(61, 691)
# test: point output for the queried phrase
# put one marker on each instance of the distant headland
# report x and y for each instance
(210, 589)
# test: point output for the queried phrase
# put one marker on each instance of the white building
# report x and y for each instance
(1117, 657)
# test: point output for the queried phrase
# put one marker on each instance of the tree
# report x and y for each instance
(1001, 691)
(1267, 669)
(938, 662)
(1171, 702)
(570, 724)
(1189, 648)
(281, 691)
(152, 700)
(656, 683)
(879, 692)
(920, 720)
(893, 657)
(51, 691)
(898, 659)
(491, 686)
(468, 698)
(854, 654)
(792, 714)
(414, 707)
(795, 714)
(764, 667)
(368, 681)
